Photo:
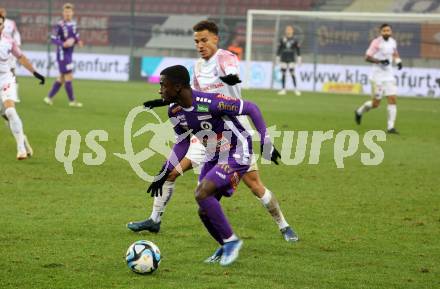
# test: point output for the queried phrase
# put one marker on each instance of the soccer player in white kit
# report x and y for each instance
(215, 72)
(12, 30)
(382, 53)
(8, 96)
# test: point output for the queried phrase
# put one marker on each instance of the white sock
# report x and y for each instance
(160, 202)
(230, 239)
(271, 204)
(365, 107)
(16, 92)
(16, 127)
(392, 113)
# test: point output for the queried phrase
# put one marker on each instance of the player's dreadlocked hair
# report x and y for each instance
(206, 25)
(178, 74)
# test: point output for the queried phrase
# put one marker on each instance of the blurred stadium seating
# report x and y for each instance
(232, 7)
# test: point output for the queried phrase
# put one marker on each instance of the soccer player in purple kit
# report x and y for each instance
(212, 118)
(65, 36)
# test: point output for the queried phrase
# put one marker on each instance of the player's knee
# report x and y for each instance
(392, 100)
(257, 189)
(204, 190)
(256, 186)
(375, 103)
(8, 104)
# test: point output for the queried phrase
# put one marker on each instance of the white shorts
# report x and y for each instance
(287, 65)
(383, 88)
(8, 89)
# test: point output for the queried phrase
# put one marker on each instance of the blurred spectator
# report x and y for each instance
(236, 48)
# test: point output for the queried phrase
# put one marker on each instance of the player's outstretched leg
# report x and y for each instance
(16, 127)
(55, 88)
(392, 114)
(267, 198)
(152, 224)
(69, 90)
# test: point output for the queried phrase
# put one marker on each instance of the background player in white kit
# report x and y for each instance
(382, 52)
(8, 96)
(216, 71)
(10, 28)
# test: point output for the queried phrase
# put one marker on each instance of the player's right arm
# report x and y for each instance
(372, 50)
(23, 60)
(155, 103)
(178, 152)
(280, 47)
(56, 35)
(230, 66)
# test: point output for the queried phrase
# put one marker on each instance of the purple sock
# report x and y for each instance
(55, 87)
(214, 213)
(210, 227)
(69, 90)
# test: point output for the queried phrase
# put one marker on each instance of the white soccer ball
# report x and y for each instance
(143, 257)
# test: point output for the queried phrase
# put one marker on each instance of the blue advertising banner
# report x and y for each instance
(354, 37)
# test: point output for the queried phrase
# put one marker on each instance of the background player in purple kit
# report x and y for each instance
(212, 118)
(65, 36)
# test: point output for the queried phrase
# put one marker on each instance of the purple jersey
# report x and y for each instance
(61, 32)
(212, 119)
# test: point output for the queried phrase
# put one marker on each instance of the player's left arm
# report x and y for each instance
(233, 107)
(78, 40)
(298, 53)
(397, 59)
(23, 60)
(230, 65)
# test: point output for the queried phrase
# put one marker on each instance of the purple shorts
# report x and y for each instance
(65, 66)
(226, 177)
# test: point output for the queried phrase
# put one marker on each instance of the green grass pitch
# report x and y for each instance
(360, 227)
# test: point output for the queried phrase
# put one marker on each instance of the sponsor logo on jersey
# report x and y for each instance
(203, 99)
(202, 108)
(226, 97)
(204, 117)
(212, 87)
(227, 107)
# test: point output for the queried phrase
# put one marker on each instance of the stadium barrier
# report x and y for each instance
(263, 74)
(86, 65)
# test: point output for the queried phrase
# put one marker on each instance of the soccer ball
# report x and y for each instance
(143, 257)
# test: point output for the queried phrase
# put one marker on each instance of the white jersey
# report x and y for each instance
(382, 49)
(8, 47)
(207, 73)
